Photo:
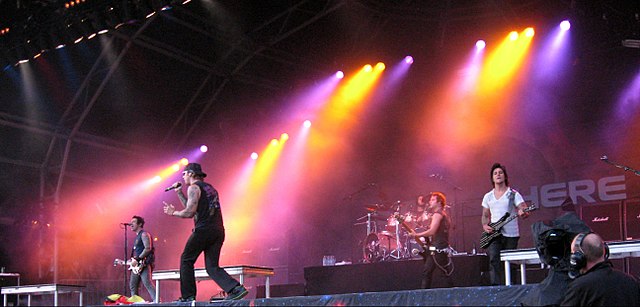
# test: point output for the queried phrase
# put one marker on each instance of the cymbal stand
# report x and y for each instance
(371, 225)
(398, 253)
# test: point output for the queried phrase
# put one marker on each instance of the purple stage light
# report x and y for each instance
(339, 74)
(565, 25)
(480, 44)
(408, 59)
(204, 148)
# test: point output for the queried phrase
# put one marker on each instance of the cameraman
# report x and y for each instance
(597, 283)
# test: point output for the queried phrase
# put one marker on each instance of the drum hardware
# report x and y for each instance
(373, 251)
(397, 253)
(391, 242)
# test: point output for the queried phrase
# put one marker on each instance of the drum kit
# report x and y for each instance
(386, 239)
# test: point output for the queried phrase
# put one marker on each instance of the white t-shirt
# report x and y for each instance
(500, 206)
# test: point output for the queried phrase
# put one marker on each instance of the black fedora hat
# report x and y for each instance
(195, 168)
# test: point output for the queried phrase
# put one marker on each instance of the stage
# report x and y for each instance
(468, 296)
(389, 283)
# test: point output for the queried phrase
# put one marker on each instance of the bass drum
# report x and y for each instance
(372, 250)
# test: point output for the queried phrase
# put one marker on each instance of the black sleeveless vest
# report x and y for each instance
(440, 239)
(138, 248)
(208, 214)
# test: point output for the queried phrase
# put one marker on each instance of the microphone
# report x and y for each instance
(604, 158)
(173, 187)
(437, 176)
(125, 224)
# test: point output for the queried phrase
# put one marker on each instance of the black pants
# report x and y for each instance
(210, 242)
(440, 263)
(496, 272)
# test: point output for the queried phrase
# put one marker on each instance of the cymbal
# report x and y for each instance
(376, 207)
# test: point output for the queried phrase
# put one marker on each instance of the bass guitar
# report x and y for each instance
(133, 268)
(487, 238)
(422, 241)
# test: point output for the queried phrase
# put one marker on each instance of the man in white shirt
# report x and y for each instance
(500, 200)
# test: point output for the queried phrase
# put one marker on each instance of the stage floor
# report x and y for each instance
(463, 296)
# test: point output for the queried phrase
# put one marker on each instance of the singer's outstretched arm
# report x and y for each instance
(191, 204)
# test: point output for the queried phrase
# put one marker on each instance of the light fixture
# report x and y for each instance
(631, 43)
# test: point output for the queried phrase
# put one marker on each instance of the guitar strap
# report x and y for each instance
(512, 198)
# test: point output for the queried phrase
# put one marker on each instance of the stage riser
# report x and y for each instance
(391, 276)
(474, 296)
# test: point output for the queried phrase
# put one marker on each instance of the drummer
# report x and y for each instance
(419, 211)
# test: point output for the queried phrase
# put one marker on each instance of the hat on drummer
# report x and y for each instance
(196, 169)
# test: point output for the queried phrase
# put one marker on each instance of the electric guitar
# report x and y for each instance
(133, 268)
(422, 241)
(487, 238)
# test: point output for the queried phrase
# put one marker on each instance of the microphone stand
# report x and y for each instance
(624, 167)
(125, 259)
(349, 198)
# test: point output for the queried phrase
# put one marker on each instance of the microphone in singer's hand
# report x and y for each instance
(175, 186)
(125, 224)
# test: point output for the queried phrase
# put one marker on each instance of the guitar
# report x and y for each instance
(133, 268)
(487, 238)
(422, 241)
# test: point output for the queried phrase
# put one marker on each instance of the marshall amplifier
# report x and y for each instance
(632, 219)
(604, 219)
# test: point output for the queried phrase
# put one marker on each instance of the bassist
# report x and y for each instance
(142, 254)
(500, 200)
(436, 218)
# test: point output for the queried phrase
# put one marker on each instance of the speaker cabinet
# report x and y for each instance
(604, 219)
(632, 219)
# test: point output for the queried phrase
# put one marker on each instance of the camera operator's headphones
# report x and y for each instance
(578, 260)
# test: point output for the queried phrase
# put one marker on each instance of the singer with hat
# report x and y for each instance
(202, 203)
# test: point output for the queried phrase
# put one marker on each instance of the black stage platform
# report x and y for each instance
(393, 283)
(470, 296)
(469, 271)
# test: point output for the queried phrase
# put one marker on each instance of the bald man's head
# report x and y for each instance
(592, 247)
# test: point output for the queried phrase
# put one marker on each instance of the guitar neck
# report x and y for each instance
(511, 218)
(404, 224)
(506, 221)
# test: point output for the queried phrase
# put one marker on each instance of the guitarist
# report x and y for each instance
(142, 254)
(500, 200)
(438, 222)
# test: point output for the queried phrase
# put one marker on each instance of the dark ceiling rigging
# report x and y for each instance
(270, 35)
